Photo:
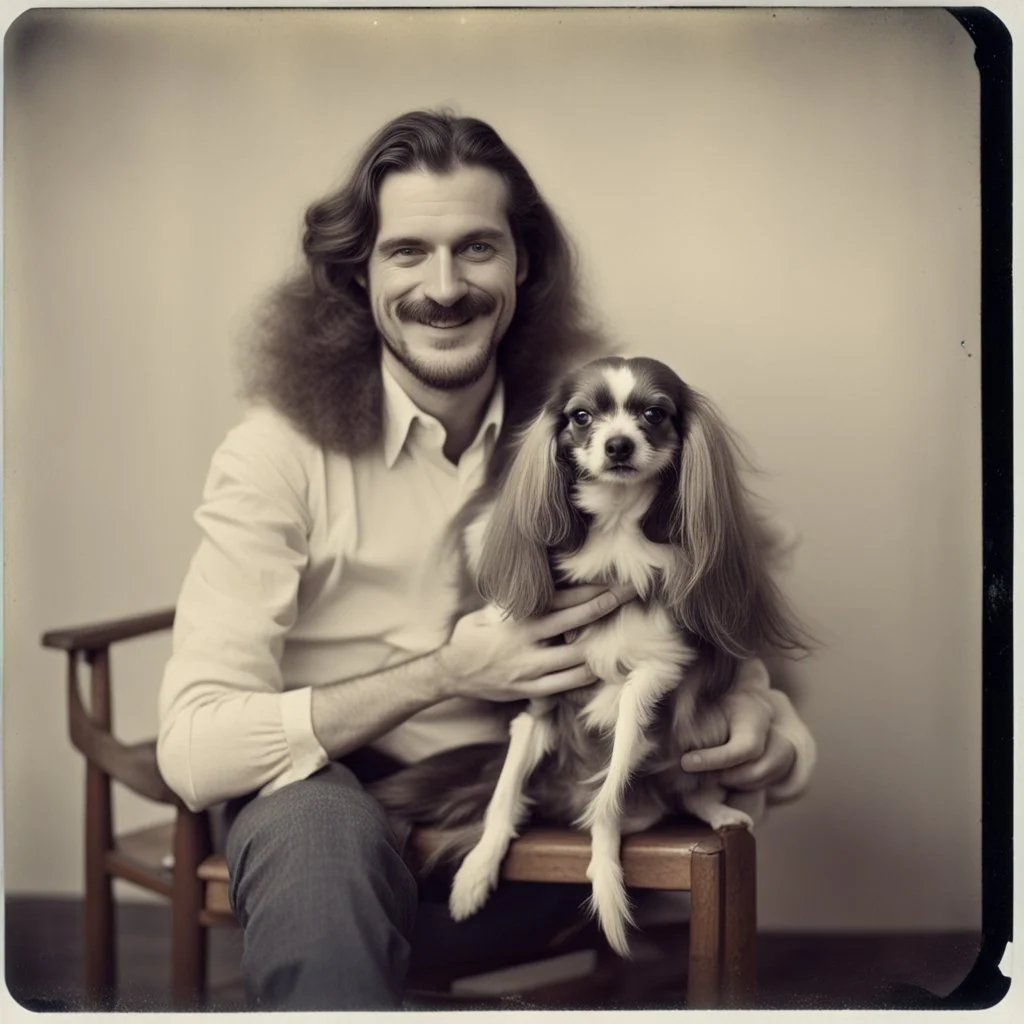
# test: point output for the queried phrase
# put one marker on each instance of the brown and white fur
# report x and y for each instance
(628, 476)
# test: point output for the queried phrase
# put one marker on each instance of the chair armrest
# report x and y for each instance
(99, 635)
(135, 764)
(132, 765)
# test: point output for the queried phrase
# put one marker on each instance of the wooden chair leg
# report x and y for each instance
(100, 924)
(188, 934)
(99, 933)
(706, 925)
(739, 946)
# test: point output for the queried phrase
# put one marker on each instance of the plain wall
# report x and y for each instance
(784, 205)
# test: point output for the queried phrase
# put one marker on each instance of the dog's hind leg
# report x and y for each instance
(530, 737)
(608, 893)
(707, 802)
(643, 688)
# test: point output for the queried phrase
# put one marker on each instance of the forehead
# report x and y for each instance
(605, 387)
(424, 204)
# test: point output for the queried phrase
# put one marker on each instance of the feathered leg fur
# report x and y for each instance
(530, 738)
(638, 698)
(608, 893)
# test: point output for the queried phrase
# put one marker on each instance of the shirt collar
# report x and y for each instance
(400, 413)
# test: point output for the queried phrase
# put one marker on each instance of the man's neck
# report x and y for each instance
(459, 410)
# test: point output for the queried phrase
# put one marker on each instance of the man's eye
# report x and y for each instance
(479, 249)
(407, 252)
(581, 418)
(654, 415)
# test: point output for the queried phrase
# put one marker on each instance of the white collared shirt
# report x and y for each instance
(314, 567)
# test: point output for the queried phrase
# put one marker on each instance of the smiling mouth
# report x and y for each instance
(445, 325)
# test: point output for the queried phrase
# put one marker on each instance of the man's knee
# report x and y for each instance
(320, 837)
(327, 902)
(330, 803)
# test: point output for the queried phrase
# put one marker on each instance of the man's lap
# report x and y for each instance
(518, 918)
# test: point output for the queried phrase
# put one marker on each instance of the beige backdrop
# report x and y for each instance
(784, 205)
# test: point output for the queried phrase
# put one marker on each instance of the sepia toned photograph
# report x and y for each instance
(493, 509)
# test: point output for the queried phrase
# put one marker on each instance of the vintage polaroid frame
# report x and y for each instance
(836, 235)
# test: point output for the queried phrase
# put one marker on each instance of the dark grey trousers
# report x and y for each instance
(334, 919)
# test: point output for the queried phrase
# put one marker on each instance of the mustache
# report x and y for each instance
(426, 311)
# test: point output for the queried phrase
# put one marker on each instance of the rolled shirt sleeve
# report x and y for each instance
(228, 726)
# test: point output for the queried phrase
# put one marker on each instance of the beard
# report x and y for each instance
(449, 373)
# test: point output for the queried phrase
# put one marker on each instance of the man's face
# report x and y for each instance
(443, 273)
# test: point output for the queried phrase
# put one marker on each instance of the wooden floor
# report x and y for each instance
(44, 965)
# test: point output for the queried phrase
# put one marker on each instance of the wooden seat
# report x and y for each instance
(176, 859)
(145, 858)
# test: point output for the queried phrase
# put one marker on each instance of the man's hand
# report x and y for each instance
(756, 756)
(501, 660)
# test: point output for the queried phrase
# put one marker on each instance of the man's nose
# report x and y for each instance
(444, 283)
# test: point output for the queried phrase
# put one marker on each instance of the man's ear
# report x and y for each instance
(522, 265)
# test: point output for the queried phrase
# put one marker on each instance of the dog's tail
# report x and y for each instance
(448, 791)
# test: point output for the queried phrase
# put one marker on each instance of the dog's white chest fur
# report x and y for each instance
(616, 550)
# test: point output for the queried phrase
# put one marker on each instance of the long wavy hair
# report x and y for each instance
(316, 353)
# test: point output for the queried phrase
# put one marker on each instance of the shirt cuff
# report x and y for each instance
(304, 749)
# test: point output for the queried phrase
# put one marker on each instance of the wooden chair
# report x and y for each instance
(718, 869)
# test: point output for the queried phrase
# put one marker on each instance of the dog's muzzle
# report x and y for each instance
(619, 450)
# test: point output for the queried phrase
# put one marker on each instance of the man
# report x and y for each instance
(315, 633)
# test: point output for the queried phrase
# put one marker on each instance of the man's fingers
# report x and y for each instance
(772, 766)
(567, 619)
(559, 682)
(750, 721)
(568, 597)
(715, 758)
(556, 658)
(745, 744)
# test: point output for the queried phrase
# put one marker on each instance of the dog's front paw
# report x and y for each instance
(473, 883)
(724, 816)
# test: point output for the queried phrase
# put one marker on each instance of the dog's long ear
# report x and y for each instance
(661, 521)
(531, 514)
(724, 593)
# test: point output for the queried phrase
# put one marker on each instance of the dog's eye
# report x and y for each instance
(581, 418)
(654, 415)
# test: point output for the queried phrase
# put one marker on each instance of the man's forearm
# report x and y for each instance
(352, 713)
(218, 741)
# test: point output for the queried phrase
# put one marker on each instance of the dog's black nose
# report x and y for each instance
(619, 449)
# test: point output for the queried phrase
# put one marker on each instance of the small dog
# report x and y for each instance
(627, 476)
